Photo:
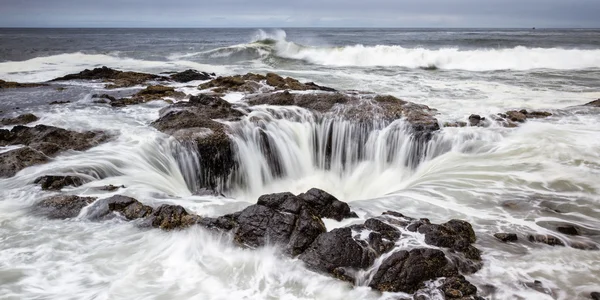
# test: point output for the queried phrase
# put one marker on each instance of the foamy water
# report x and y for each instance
(499, 179)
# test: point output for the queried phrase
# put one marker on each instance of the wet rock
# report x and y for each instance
(595, 296)
(546, 239)
(190, 75)
(539, 286)
(537, 114)
(170, 217)
(516, 116)
(115, 78)
(280, 219)
(455, 124)
(595, 103)
(326, 205)
(568, 230)
(59, 102)
(62, 207)
(153, 92)
(337, 250)
(251, 83)
(458, 236)
(103, 98)
(110, 188)
(506, 237)
(14, 85)
(406, 271)
(476, 120)
(128, 207)
(458, 287)
(583, 245)
(387, 231)
(20, 120)
(42, 142)
(57, 183)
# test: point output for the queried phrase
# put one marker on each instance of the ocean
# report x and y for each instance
(526, 180)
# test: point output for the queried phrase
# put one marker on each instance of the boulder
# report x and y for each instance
(407, 271)
(476, 120)
(42, 142)
(62, 206)
(170, 217)
(129, 208)
(14, 85)
(115, 78)
(190, 75)
(546, 239)
(516, 116)
(279, 219)
(326, 205)
(506, 237)
(20, 120)
(458, 287)
(57, 183)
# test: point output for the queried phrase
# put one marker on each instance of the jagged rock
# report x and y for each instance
(170, 217)
(63, 206)
(57, 183)
(250, 83)
(406, 271)
(190, 75)
(42, 142)
(280, 219)
(127, 207)
(506, 237)
(337, 252)
(110, 188)
(458, 236)
(153, 92)
(117, 79)
(458, 288)
(14, 85)
(20, 120)
(326, 205)
(595, 103)
(546, 239)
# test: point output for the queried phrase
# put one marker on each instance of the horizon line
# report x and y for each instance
(286, 27)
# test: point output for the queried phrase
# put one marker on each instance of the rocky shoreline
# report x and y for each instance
(363, 254)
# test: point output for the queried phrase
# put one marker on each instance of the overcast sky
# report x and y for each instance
(300, 13)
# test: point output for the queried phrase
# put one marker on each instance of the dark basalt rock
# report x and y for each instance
(595, 103)
(59, 102)
(43, 142)
(62, 207)
(170, 217)
(129, 208)
(546, 239)
(20, 120)
(151, 93)
(57, 183)
(568, 230)
(476, 120)
(280, 219)
(458, 288)
(250, 83)
(595, 296)
(326, 205)
(338, 252)
(116, 78)
(190, 75)
(103, 98)
(15, 85)
(506, 237)
(110, 188)
(406, 271)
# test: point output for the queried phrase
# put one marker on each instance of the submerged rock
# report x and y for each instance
(506, 237)
(595, 103)
(57, 183)
(115, 78)
(546, 239)
(62, 207)
(595, 295)
(190, 75)
(41, 143)
(14, 85)
(129, 208)
(20, 120)
(568, 230)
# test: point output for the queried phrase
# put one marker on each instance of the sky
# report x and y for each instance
(301, 13)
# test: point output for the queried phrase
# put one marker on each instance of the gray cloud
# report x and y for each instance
(270, 13)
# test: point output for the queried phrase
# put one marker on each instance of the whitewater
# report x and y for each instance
(525, 180)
